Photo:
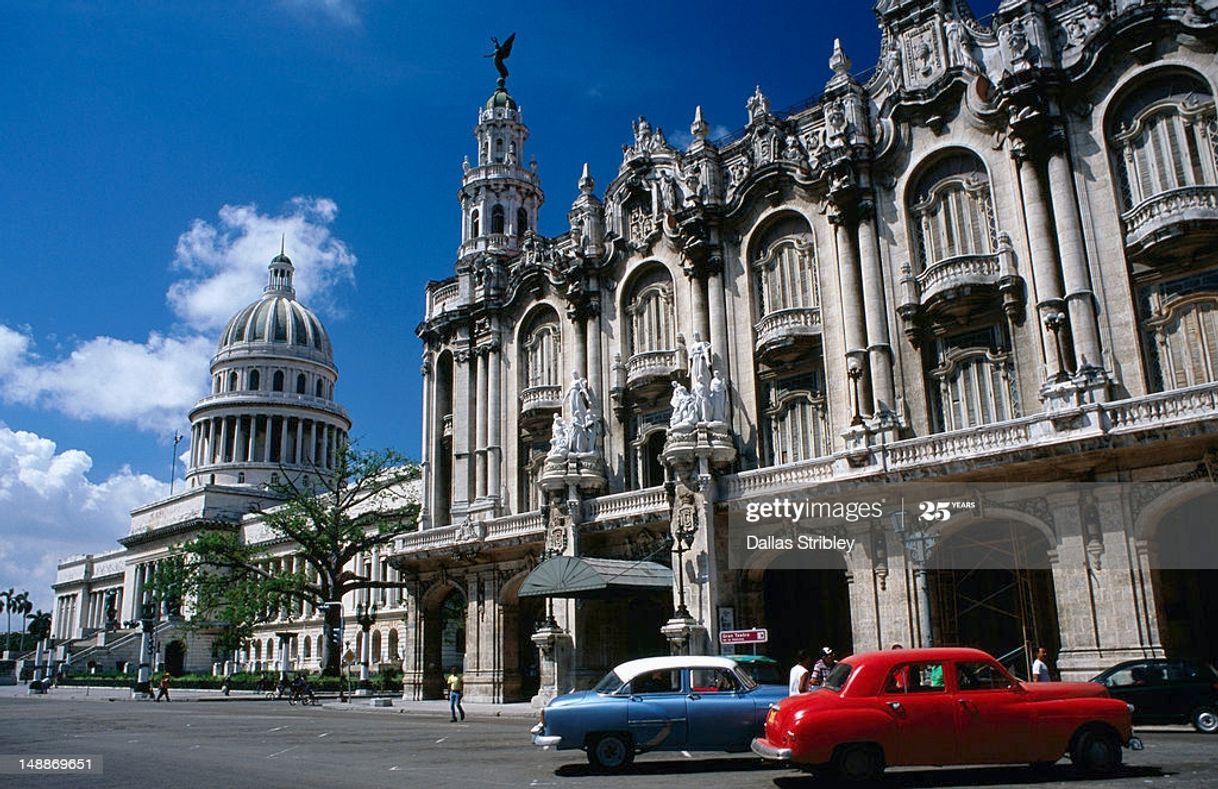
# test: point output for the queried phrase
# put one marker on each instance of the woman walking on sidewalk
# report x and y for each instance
(456, 688)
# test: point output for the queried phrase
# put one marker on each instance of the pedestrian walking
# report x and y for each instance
(163, 688)
(1040, 666)
(797, 681)
(456, 689)
(227, 684)
(822, 668)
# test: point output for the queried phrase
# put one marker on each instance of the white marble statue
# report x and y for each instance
(559, 442)
(684, 408)
(580, 426)
(699, 361)
(717, 399)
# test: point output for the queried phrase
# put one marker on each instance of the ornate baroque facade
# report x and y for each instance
(992, 261)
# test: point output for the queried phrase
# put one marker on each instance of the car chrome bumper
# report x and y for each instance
(540, 739)
(1134, 744)
(766, 751)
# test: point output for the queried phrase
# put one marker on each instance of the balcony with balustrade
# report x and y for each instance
(1176, 224)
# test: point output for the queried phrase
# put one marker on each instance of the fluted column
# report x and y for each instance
(700, 310)
(481, 431)
(426, 453)
(494, 448)
(283, 440)
(579, 333)
(592, 342)
(717, 303)
(1080, 302)
(1046, 278)
(461, 434)
(853, 325)
(879, 349)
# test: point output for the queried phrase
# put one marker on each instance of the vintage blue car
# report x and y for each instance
(692, 703)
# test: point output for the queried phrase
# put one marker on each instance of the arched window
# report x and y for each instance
(270, 649)
(542, 349)
(318, 391)
(497, 219)
(393, 646)
(522, 222)
(650, 310)
(784, 267)
(308, 648)
(232, 381)
(974, 380)
(300, 383)
(798, 419)
(255, 380)
(377, 657)
(951, 212)
(474, 230)
(499, 151)
(1162, 138)
(277, 381)
(240, 477)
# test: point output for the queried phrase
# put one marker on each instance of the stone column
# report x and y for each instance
(595, 371)
(223, 438)
(461, 434)
(494, 440)
(716, 299)
(879, 350)
(580, 346)
(426, 453)
(1046, 278)
(238, 440)
(1080, 302)
(283, 440)
(481, 428)
(853, 325)
(297, 459)
(701, 310)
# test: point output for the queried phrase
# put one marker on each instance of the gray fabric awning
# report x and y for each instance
(579, 576)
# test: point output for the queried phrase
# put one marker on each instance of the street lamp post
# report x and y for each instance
(683, 531)
(855, 372)
(365, 617)
(147, 623)
(1055, 322)
(918, 542)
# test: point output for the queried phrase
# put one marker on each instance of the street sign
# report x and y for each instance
(757, 635)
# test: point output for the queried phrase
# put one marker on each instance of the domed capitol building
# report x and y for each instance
(972, 301)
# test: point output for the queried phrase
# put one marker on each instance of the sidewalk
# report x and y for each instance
(436, 708)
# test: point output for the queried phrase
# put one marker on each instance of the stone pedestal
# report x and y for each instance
(556, 646)
(685, 636)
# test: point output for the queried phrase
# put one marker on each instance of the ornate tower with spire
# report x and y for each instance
(499, 196)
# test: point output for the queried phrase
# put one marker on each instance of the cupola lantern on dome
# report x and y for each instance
(281, 270)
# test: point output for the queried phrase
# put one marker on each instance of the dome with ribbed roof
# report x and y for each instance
(278, 319)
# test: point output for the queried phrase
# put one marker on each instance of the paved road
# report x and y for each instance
(225, 744)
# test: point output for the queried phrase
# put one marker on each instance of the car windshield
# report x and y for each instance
(746, 682)
(837, 676)
(609, 683)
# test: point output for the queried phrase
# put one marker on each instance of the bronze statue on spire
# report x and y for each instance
(501, 53)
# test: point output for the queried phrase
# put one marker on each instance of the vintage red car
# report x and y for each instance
(943, 706)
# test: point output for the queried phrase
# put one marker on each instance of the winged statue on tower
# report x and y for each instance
(501, 53)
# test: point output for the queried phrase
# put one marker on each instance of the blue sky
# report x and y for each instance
(152, 153)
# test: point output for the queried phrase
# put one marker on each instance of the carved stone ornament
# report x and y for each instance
(556, 533)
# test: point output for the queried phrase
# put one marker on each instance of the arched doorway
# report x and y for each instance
(443, 638)
(175, 657)
(521, 660)
(991, 587)
(1184, 555)
(377, 657)
(805, 609)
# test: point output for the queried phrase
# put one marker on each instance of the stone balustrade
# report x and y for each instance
(651, 364)
(1169, 214)
(779, 324)
(540, 398)
(964, 271)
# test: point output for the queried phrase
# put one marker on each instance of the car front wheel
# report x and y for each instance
(610, 752)
(858, 764)
(1096, 751)
(1205, 720)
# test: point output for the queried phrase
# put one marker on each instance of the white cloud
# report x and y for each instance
(225, 263)
(344, 12)
(151, 385)
(49, 509)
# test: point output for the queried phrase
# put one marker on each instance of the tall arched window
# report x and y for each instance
(497, 219)
(255, 380)
(474, 228)
(232, 381)
(798, 418)
(974, 379)
(784, 268)
(522, 221)
(541, 347)
(318, 391)
(650, 309)
(277, 381)
(300, 383)
(1162, 138)
(951, 212)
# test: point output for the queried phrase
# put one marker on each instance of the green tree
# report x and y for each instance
(7, 597)
(24, 607)
(40, 625)
(330, 517)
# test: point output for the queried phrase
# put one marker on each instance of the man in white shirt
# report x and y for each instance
(1040, 669)
(798, 681)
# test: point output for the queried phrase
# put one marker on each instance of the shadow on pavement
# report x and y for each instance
(674, 767)
(983, 776)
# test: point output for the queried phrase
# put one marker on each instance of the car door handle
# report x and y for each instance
(693, 696)
(896, 706)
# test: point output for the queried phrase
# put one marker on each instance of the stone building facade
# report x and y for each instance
(991, 263)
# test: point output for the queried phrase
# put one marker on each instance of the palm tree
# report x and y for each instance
(7, 597)
(40, 625)
(24, 608)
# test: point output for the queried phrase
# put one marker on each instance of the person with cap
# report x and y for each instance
(822, 668)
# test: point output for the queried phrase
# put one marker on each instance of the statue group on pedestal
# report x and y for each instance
(705, 401)
(575, 434)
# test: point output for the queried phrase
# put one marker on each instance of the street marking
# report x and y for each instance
(280, 753)
(323, 734)
(442, 739)
(686, 754)
(394, 767)
(277, 728)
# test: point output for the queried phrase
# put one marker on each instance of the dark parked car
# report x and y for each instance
(1166, 691)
